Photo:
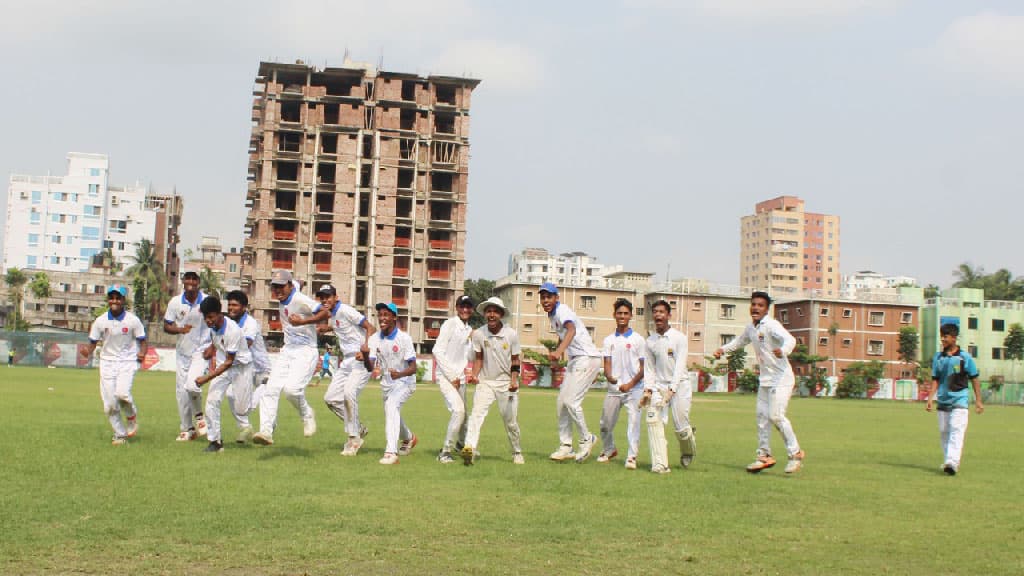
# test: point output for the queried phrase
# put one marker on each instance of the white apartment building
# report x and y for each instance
(59, 223)
(866, 280)
(536, 265)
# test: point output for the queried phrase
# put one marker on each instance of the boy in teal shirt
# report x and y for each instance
(951, 369)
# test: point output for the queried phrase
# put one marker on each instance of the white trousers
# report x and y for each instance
(579, 375)
(613, 404)
(455, 401)
(772, 402)
(189, 396)
(395, 428)
(236, 382)
(952, 430)
(242, 410)
(116, 379)
(290, 376)
(488, 392)
(342, 396)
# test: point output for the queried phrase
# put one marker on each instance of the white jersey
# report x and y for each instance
(453, 348)
(665, 365)
(347, 322)
(298, 303)
(498, 350)
(181, 312)
(120, 336)
(251, 330)
(229, 339)
(626, 351)
(392, 352)
(581, 344)
(766, 336)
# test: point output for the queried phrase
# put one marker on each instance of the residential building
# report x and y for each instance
(868, 280)
(74, 296)
(58, 223)
(788, 251)
(358, 177)
(984, 325)
(226, 265)
(537, 265)
(848, 331)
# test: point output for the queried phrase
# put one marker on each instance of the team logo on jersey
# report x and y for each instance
(394, 348)
(760, 337)
(671, 353)
(337, 323)
(504, 346)
(124, 330)
(628, 346)
(286, 311)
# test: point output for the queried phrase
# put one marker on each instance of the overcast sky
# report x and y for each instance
(639, 131)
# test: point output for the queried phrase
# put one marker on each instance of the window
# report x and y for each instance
(31, 261)
(54, 259)
(37, 196)
(972, 324)
(590, 330)
(998, 325)
(800, 312)
(823, 341)
(93, 211)
(33, 240)
(94, 171)
(876, 347)
(725, 339)
(728, 311)
(90, 233)
(876, 318)
(906, 317)
(696, 336)
(824, 311)
(94, 189)
(998, 353)
(529, 295)
(847, 342)
(784, 316)
(847, 312)
(697, 306)
(640, 311)
(527, 327)
(55, 239)
(34, 218)
(233, 268)
(588, 302)
(973, 351)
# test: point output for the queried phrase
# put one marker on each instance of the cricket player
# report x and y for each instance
(772, 344)
(238, 306)
(580, 373)
(453, 350)
(392, 351)
(124, 349)
(496, 373)
(667, 384)
(952, 368)
(296, 362)
(353, 334)
(233, 370)
(183, 318)
(624, 369)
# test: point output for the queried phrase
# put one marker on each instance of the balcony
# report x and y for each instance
(433, 333)
(437, 304)
(403, 242)
(400, 302)
(400, 272)
(282, 264)
(274, 325)
(445, 245)
(284, 235)
(439, 274)
(322, 267)
(327, 237)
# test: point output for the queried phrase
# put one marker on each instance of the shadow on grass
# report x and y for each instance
(270, 452)
(921, 467)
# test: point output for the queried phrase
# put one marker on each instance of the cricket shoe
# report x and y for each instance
(133, 427)
(309, 426)
(445, 458)
(244, 435)
(118, 441)
(586, 447)
(564, 452)
(389, 458)
(606, 456)
(201, 426)
(408, 445)
(631, 463)
(762, 463)
(263, 439)
(214, 447)
(353, 446)
(468, 455)
(186, 436)
(687, 446)
(661, 469)
(796, 461)
(949, 468)
(517, 458)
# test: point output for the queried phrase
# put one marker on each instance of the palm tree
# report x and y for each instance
(40, 285)
(969, 276)
(209, 282)
(147, 279)
(833, 330)
(16, 280)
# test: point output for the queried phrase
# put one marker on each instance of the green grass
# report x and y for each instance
(871, 499)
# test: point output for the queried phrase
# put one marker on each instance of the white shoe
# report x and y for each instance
(244, 435)
(659, 469)
(407, 445)
(389, 458)
(263, 439)
(606, 456)
(133, 427)
(517, 458)
(631, 463)
(796, 461)
(586, 447)
(564, 452)
(445, 458)
(353, 446)
(201, 427)
(309, 426)
(186, 436)
(118, 441)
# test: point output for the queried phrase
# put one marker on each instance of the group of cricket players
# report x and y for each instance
(220, 347)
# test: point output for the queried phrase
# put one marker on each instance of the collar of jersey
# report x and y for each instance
(394, 332)
(334, 309)
(555, 309)
(626, 334)
(199, 298)
(223, 325)
(241, 321)
(118, 318)
(288, 300)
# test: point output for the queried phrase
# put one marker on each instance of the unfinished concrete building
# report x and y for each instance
(358, 178)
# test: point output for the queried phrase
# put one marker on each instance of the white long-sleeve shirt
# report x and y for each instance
(766, 336)
(453, 348)
(582, 344)
(665, 365)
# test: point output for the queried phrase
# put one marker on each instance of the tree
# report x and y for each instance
(40, 285)
(858, 378)
(209, 282)
(932, 291)
(1014, 343)
(968, 276)
(736, 360)
(833, 330)
(479, 290)
(1000, 285)
(908, 341)
(16, 280)
(815, 377)
(147, 279)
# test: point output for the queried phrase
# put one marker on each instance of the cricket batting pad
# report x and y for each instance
(687, 442)
(656, 437)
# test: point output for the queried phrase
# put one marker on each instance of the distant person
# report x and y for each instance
(580, 373)
(391, 350)
(667, 386)
(624, 352)
(233, 369)
(325, 366)
(10, 357)
(238, 305)
(124, 349)
(772, 344)
(184, 319)
(952, 367)
(453, 350)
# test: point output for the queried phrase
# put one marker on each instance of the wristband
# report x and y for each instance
(515, 367)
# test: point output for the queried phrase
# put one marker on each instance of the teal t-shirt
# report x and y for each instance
(943, 368)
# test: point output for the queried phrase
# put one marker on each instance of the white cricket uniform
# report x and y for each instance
(260, 368)
(495, 376)
(191, 363)
(775, 385)
(394, 352)
(351, 376)
(665, 369)
(229, 340)
(296, 363)
(584, 364)
(452, 353)
(118, 362)
(626, 353)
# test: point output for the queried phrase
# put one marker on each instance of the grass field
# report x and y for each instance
(871, 499)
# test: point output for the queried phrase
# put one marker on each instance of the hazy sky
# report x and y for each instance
(637, 131)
